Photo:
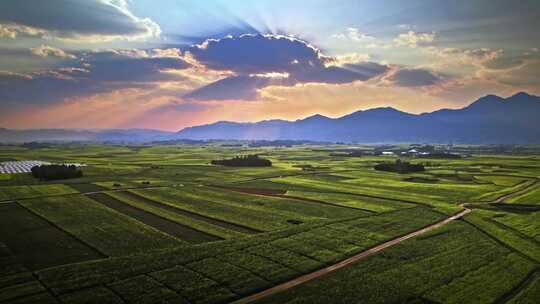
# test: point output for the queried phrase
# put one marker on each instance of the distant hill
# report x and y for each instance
(490, 119)
(67, 135)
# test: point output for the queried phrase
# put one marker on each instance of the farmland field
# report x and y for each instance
(160, 224)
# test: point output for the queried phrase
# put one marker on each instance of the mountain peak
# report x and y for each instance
(383, 110)
(490, 119)
(376, 112)
(520, 95)
(488, 101)
(316, 117)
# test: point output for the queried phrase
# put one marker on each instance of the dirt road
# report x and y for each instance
(314, 275)
(321, 272)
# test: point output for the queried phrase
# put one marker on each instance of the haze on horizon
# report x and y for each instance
(173, 64)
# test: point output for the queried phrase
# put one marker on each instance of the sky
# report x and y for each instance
(171, 64)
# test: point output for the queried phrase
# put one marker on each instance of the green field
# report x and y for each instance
(160, 224)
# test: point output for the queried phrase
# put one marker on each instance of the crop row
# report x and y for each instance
(110, 232)
(451, 264)
(234, 268)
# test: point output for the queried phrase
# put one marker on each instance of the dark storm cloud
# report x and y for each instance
(114, 66)
(68, 18)
(414, 78)
(50, 86)
(235, 87)
(367, 69)
(251, 55)
(257, 54)
(508, 61)
(90, 74)
(336, 74)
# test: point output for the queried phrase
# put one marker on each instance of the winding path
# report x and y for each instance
(364, 254)
(369, 252)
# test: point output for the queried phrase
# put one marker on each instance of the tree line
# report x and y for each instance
(399, 167)
(243, 161)
(52, 172)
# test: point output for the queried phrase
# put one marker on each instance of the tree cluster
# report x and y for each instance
(52, 172)
(244, 161)
(400, 167)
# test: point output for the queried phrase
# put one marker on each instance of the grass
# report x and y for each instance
(526, 223)
(417, 194)
(227, 244)
(425, 269)
(348, 200)
(495, 276)
(213, 260)
(201, 288)
(145, 289)
(258, 212)
(110, 232)
(532, 197)
(180, 231)
(530, 293)
(490, 196)
(174, 215)
(29, 236)
(504, 181)
(482, 220)
(208, 217)
(15, 291)
(22, 192)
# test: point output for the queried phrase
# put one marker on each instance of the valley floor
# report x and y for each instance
(160, 224)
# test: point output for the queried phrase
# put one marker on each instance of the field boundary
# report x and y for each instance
(65, 231)
(196, 216)
(501, 198)
(323, 203)
(344, 263)
(168, 231)
(77, 249)
(500, 242)
(282, 194)
(528, 279)
(517, 232)
(79, 193)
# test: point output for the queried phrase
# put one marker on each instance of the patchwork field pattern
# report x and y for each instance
(159, 224)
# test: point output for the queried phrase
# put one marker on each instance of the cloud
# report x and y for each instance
(11, 31)
(477, 57)
(353, 34)
(46, 51)
(349, 58)
(94, 72)
(504, 61)
(501, 71)
(341, 74)
(230, 88)
(414, 78)
(129, 66)
(412, 39)
(257, 54)
(367, 70)
(89, 20)
(520, 72)
(246, 56)
(7, 31)
(41, 87)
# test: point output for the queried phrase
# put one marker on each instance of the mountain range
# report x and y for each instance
(490, 119)
(84, 135)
